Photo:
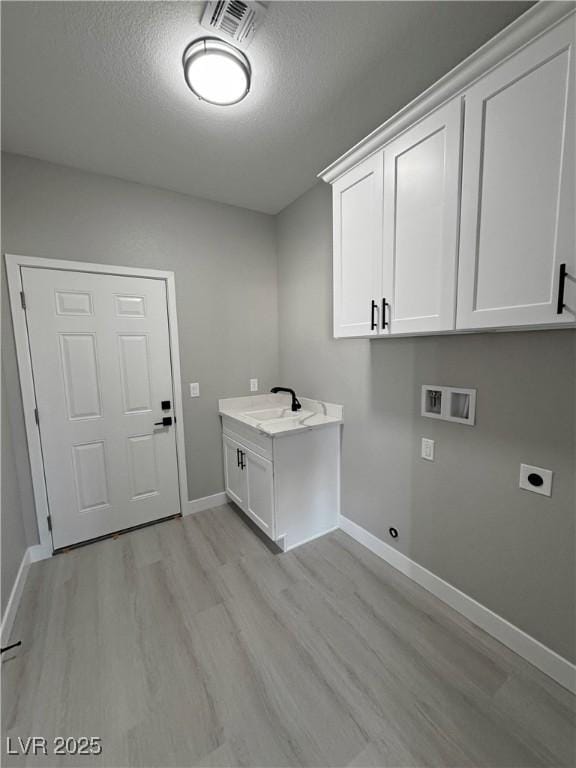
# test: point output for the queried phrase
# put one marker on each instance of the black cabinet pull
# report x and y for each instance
(242, 462)
(384, 321)
(561, 284)
(237, 457)
(374, 307)
(166, 422)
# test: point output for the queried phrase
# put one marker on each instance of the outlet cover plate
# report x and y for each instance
(536, 479)
(427, 451)
(194, 389)
(253, 385)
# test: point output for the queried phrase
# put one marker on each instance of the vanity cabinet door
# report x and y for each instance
(357, 200)
(517, 227)
(421, 206)
(234, 475)
(259, 491)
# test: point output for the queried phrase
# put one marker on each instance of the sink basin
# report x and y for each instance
(272, 415)
(277, 414)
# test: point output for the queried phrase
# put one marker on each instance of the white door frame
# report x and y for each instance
(13, 271)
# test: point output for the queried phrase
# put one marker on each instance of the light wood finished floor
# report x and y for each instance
(191, 644)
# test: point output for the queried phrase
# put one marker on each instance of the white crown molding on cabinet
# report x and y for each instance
(545, 659)
(536, 21)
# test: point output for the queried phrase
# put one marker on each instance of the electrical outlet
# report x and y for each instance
(536, 479)
(253, 385)
(427, 451)
(195, 389)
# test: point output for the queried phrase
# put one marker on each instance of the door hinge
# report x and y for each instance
(36, 417)
(23, 299)
(49, 519)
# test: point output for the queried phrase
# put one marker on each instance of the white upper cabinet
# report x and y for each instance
(357, 208)
(421, 201)
(517, 218)
(459, 212)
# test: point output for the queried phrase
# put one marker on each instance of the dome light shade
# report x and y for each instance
(216, 71)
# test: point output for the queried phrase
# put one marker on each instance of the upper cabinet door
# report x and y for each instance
(421, 201)
(517, 224)
(357, 221)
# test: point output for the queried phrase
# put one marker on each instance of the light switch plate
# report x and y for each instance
(536, 479)
(253, 385)
(195, 389)
(427, 451)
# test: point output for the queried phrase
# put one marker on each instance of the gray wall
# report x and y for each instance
(463, 516)
(13, 534)
(225, 264)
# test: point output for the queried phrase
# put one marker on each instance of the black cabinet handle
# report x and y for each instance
(384, 321)
(561, 284)
(373, 308)
(237, 457)
(242, 462)
(166, 422)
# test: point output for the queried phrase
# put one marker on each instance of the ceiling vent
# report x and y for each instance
(233, 19)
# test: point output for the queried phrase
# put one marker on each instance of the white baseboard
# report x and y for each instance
(307, 539)
(31, 555)
(206, 502)
(38, 552)
(14, 599)
(547, 660)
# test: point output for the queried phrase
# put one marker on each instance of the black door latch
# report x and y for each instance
(166, 422)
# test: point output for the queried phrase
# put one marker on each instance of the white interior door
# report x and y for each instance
(421, 206)
(357, 221)
(101, 362)
(517, 225)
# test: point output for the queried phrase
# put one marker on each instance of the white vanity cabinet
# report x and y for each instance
(473, 227)
(234, 477)
(518, 205)
(283, 469)
(249, 482)
(259, 502)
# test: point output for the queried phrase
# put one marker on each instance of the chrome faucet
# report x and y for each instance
(295, 402)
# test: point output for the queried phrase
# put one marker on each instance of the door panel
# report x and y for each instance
(357, 218)
(518, 188)
(73, 303)
(135, 372)
(421, 194)
(143, 465)
(91, 475)
(100, 375)
(234, 476)
(80, 372)
(260, 491)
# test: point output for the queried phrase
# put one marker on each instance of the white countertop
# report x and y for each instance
(271, 414)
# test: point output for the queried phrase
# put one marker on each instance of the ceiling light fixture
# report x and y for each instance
(216, 71)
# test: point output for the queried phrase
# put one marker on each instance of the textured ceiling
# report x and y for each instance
(99, 86)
